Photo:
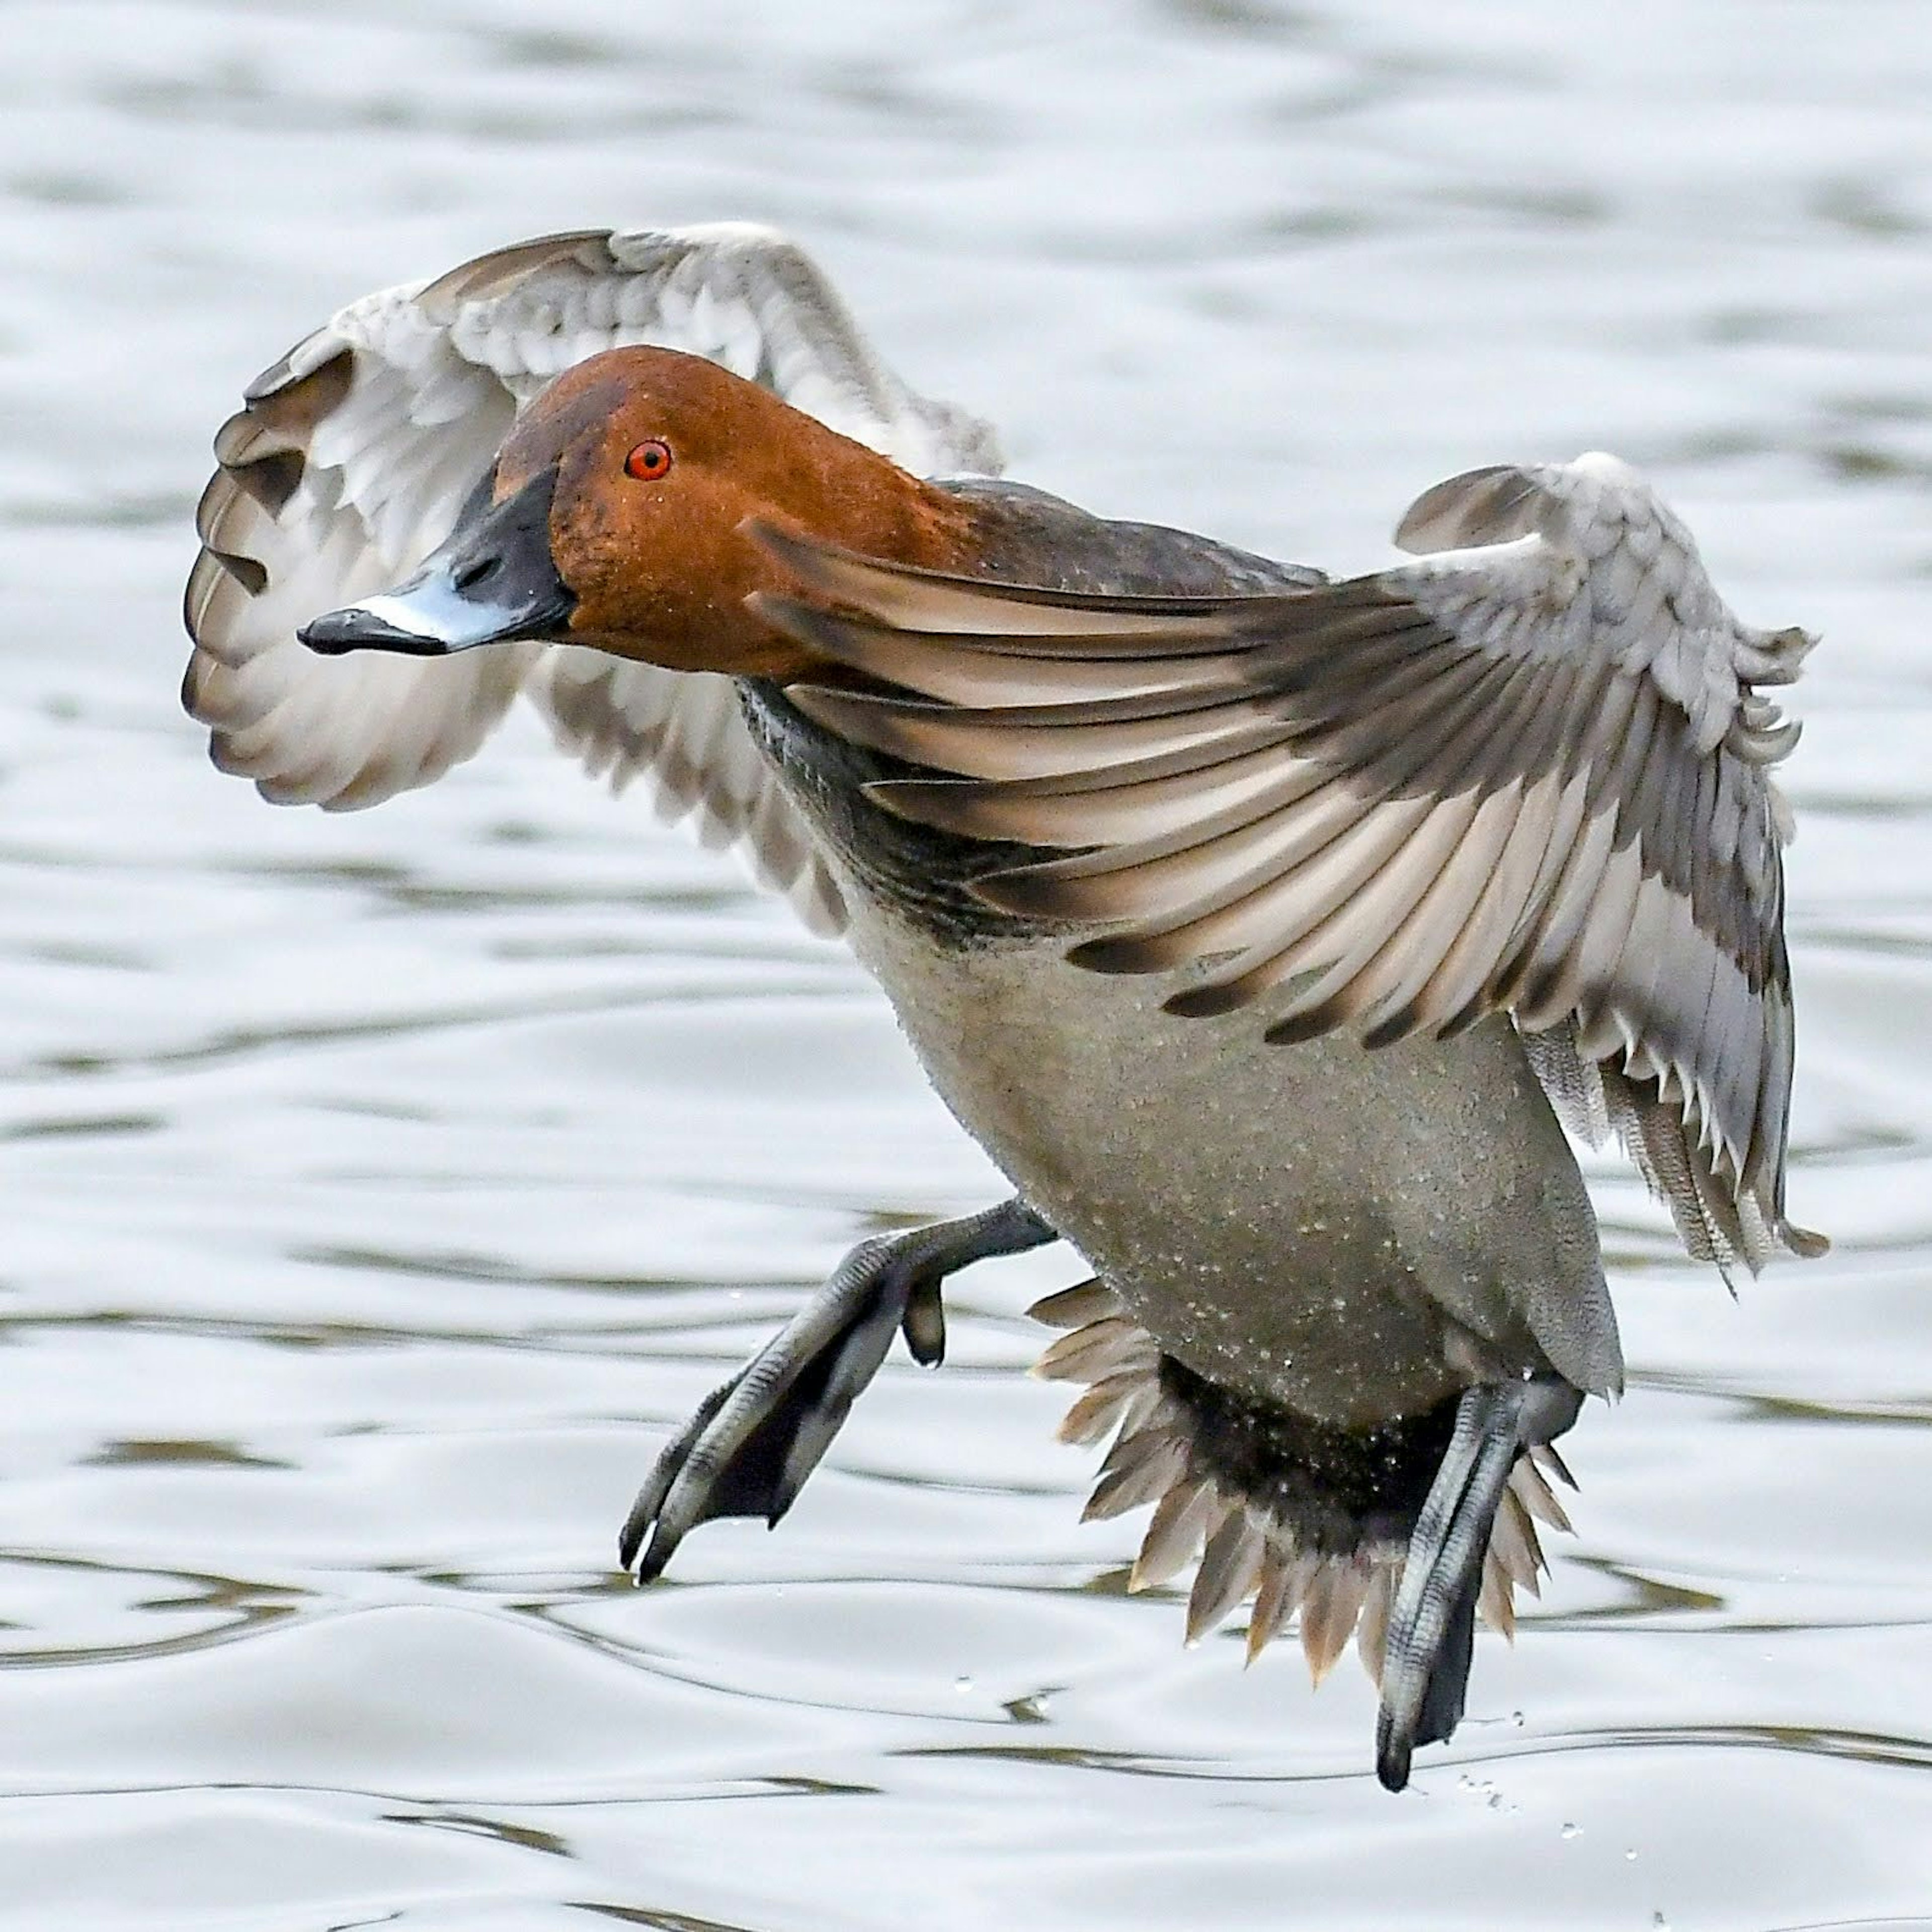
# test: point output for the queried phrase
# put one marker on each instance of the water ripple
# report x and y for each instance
(384, 1187)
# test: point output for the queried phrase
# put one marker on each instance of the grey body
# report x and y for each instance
(1358, 1236)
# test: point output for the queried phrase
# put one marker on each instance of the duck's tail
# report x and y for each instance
(1400, 1536)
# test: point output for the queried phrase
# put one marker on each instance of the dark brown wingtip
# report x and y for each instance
(204, 577)
(291, 396)
(792, 617)
(823, 704)
(216, 504)
(1026, 892)
(262, 448)
(192, 680)
(250, 572)
(1208, 1002)
(1397, 1027)
(1298, 1028)
(875, 593)
(845, 711)
(948, 805)
(826, 569)
(836, 638)
(782, 540)
(1113, 955)
(784, 546)
(1489, 505)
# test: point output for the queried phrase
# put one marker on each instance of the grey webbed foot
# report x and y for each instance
(1432, 1623)
(752, 1442)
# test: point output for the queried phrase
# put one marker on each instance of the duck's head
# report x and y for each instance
(614, 516)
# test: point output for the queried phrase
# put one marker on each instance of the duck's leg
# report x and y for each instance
(748, 1449)
(1432, 1622)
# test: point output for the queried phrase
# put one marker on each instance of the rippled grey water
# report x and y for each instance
(380, 1188)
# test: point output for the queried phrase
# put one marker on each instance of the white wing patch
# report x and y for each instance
(684, 731)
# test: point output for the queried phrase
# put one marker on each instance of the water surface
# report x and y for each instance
(382, 1187)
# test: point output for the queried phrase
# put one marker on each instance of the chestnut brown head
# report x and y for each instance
(614, 516)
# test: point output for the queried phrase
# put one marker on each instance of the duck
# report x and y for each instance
(1268, 931)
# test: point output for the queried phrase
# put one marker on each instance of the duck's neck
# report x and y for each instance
(924, 872)
(871, 508)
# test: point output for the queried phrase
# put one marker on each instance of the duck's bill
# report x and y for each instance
(491, 581)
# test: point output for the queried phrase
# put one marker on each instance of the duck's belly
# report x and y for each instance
(1357, 1235)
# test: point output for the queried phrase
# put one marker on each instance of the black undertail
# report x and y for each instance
(1339, 1492)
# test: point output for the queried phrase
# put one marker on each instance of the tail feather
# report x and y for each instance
(1410, 1600)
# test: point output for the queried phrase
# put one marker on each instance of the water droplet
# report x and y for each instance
(963, 1685)
(1629, 1854)
(1572, 1830)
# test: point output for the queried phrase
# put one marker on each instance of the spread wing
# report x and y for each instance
(1525, 774)
(685, 732)
(352, 455)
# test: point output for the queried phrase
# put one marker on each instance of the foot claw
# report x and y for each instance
(752, 1442)
(923, 1323)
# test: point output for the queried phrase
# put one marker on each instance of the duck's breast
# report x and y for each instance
(1359, 1234)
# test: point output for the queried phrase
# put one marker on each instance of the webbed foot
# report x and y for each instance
(752, 1442)
(1432, 1623)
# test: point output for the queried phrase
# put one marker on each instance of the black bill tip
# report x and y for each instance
(360, 628)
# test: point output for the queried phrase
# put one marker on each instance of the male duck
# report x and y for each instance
(1260, 928)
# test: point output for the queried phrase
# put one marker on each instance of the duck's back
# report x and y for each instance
(1026, 535)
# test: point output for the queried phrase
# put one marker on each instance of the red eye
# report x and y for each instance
(648, 461)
